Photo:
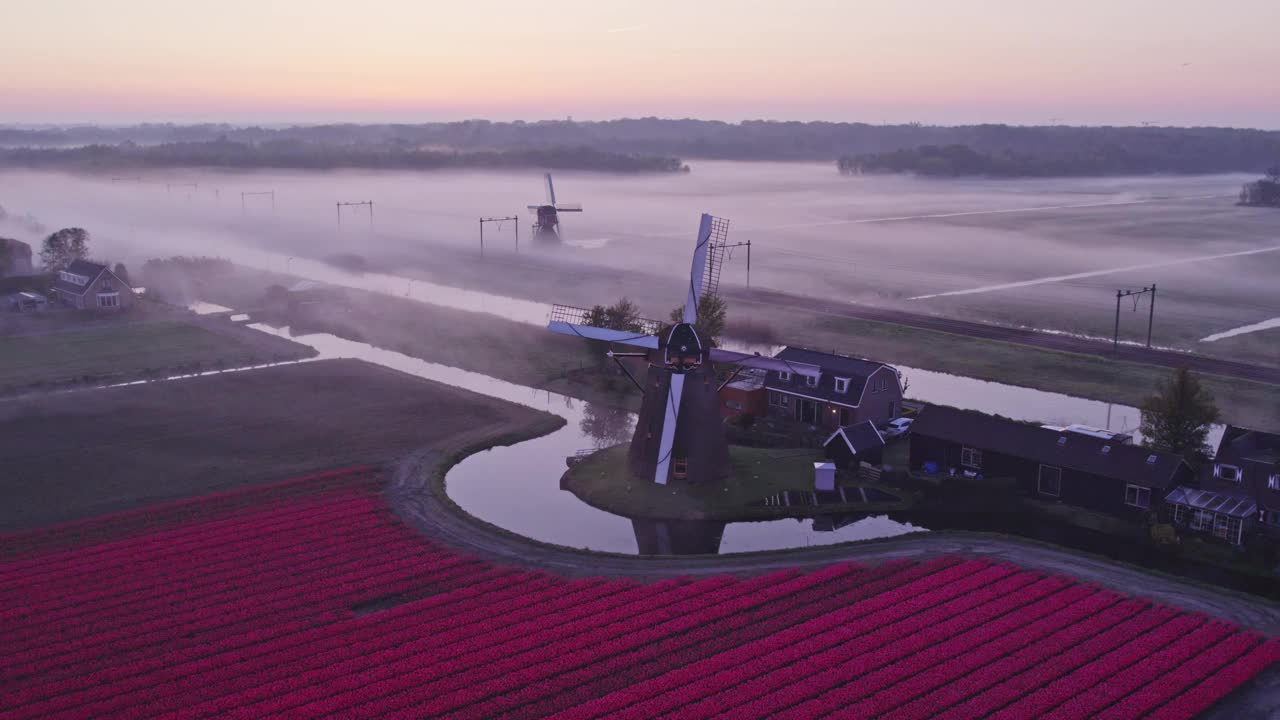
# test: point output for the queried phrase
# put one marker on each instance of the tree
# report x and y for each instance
(1176, 418)
(122, 272)
(622, 315)
(711, 318)
(63, 247)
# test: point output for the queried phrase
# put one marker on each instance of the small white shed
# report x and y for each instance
(824, 476)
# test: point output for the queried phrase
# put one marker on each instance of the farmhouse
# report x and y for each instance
(1239, 492)
(832, 391)
(1048, 464)
(87, 285)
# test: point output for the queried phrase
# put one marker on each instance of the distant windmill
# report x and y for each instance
(548, 225)
(679, 433)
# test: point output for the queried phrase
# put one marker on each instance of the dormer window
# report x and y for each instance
(1151, 459)
(1230, 473)
(784, 376)
(842, 385)
(1106, 449)
(811, 380)
(1273, 482)
(1062, 441)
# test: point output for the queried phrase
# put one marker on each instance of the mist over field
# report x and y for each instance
(878, 240)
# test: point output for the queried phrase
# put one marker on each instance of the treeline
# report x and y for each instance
(1110, 159)
(1128, 149)
(307, 155)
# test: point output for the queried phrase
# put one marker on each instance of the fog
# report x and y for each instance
(881, 239)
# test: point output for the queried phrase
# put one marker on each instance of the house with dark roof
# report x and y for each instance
(1239, 492)
(830, 391)
(858, 443)
(87, 285)
(1048, 464)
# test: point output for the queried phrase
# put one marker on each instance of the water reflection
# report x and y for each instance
(606, 425)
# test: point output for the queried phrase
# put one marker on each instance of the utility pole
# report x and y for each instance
(368, 203)
(515, 221)
(271, 193)
(1151, 317)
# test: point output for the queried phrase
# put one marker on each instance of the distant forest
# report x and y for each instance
(1265, 192)
(653, 144)
(1109, 159)
(303, 155)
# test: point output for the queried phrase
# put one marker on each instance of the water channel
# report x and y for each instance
(518, 487)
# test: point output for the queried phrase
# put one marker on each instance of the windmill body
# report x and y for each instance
(547, 226)
(679, 434)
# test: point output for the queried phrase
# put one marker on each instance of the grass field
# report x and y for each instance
(125, 350)
(74, 455)
(603, 480)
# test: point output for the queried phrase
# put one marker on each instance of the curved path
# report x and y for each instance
(418, 498)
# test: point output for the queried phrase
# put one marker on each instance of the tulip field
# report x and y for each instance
(309, 599)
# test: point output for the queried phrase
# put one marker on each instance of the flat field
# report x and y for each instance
(74, 455)
(102, 352)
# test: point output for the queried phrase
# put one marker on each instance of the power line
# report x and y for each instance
(369, 203)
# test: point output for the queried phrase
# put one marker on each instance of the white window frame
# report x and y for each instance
(1202, 520)
(1040, 481)
(842, 385)
(1273, 482)
(971, 457)
(784, 376)
(113, 299)
(1138, 490)
(1235, 471)
(777, 399)
(811, 380)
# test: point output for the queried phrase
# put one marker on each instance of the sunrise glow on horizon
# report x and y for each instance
(1091, 62)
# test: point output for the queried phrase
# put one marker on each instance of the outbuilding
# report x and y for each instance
(858, 443)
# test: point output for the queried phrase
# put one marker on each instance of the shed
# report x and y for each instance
(24, 302)
(857, 443)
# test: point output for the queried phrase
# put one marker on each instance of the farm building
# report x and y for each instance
(830, 391)
(1239, 492)
(858, 443)
(1048, 464)
(24, 302)
(86, 285)
(744, 396)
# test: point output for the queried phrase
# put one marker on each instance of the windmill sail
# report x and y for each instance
(697, 270)
(669, 420)
(729, 357)
(595, 333)
(551, 191)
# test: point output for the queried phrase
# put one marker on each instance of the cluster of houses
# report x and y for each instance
(1234, 498)
(83, 285)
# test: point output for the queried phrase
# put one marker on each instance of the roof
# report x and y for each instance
(79, 267)
(1083, 453)
(1241, 506)
(1244, 444)
(859, 437)
(831, 366)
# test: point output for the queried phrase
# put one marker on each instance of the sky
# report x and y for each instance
(1086, 62)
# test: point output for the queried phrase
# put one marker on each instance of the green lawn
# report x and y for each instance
(602, 480)
(127, 349)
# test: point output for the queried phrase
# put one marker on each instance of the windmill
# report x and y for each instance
(548, 225)
(679, 433)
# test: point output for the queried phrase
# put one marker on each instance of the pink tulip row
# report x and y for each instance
(1118, 661)
(838, 672)
(308, 665)
(362, 670)
(882, 593)
(1180, 680)
(282, 599)
(98, 604)
(606, 675)
(1042, 663)
(209, 662)
(33, 544)
(687, 685)
(900, 682)
(592, 653)
(1218, 684)
(425, 675)
(1113, 689)
(177, 541)
(969, 673)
